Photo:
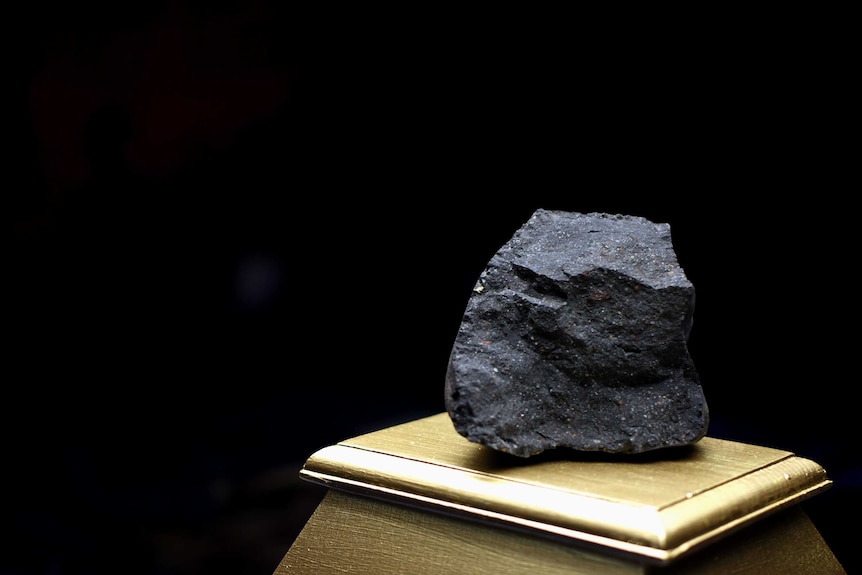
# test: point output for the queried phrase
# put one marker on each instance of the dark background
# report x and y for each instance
(235, 233)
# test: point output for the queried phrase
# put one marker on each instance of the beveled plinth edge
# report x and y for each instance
(653, 506)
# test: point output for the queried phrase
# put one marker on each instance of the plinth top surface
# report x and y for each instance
(658, 505)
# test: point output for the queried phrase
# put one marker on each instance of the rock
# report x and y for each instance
(575, 336)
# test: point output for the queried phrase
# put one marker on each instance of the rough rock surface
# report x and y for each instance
(575, 336)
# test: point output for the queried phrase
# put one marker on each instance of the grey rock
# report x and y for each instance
(576, 336)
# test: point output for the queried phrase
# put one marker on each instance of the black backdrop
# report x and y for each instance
(235, 233)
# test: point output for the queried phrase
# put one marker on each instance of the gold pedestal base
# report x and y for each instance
(418, 498)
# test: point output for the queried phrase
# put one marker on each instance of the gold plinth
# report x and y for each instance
(418, 498)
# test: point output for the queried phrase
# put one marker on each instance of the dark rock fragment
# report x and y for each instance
(576, 336)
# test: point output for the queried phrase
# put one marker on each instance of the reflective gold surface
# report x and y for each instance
(352, 533)
(656, 507)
